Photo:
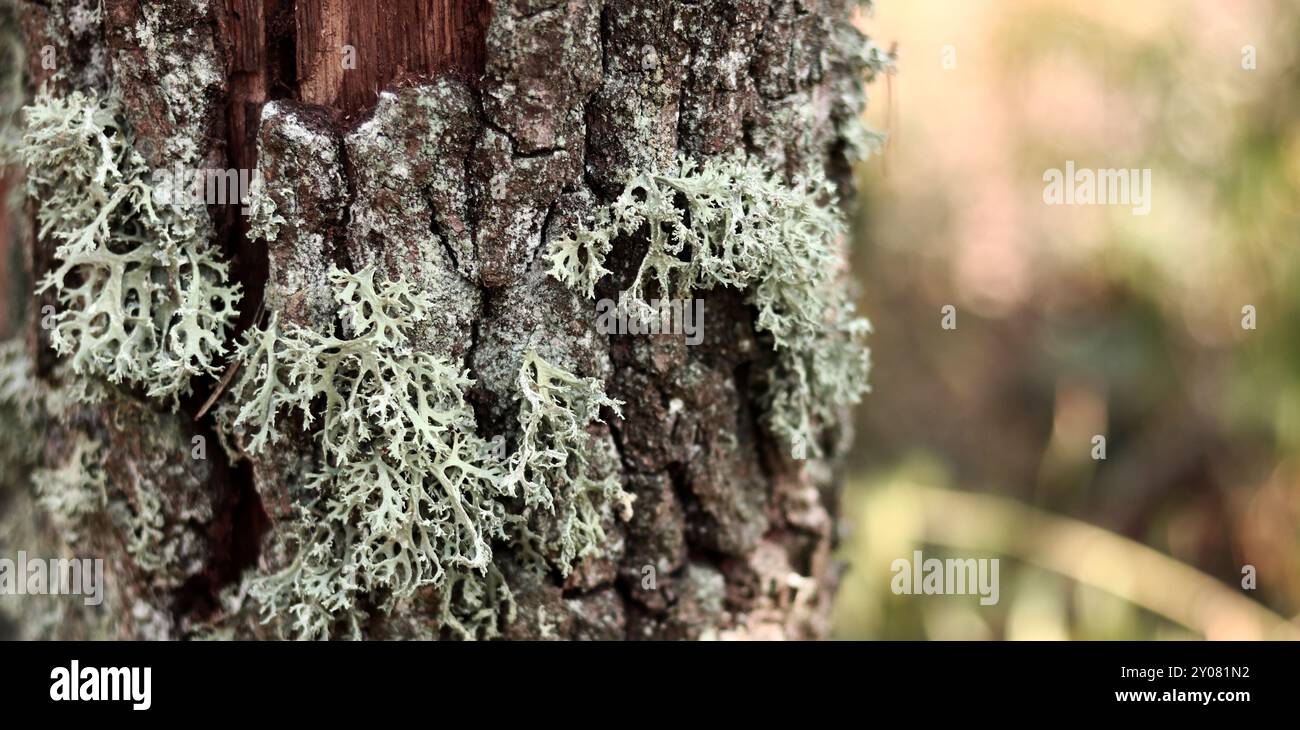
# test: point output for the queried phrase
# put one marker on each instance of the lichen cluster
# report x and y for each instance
(143, 298)
(24, 414)
(408, 496)
(78, 488)
(732, 222)
(864, 61)
(68, 492)
(19, 404)
(552, 470)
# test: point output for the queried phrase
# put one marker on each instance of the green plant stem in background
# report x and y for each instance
(1085, 553)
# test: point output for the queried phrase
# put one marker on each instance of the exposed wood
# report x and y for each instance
(389, 40)
(242, 25)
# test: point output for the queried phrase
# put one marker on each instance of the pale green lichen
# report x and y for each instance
(732, 222)
(861, 142)
(408, 495)
(26, 409)
(143, 299)
(875, 60)
(26, 406)
(19, 394)
(76, 489)
(551, 469)
(21, 413)
(865, 60)
(405, 495)
(578, 257)
(264, 220)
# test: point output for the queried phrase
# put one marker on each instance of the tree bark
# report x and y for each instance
(467, 134)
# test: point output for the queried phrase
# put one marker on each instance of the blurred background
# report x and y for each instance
(1081, 321)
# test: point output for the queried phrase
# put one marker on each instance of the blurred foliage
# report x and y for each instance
(1076, 321)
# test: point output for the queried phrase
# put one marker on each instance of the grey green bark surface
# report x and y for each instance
(457, 188)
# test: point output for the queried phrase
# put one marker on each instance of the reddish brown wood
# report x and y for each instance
(243, 26)
(393, 40)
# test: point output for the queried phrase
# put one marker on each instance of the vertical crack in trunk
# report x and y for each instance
(256, 38)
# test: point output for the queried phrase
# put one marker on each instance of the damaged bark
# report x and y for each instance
(466, 135)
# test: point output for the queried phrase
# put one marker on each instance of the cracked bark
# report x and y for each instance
(465, 136)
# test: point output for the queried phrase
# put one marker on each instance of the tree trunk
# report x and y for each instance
(445, 143)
